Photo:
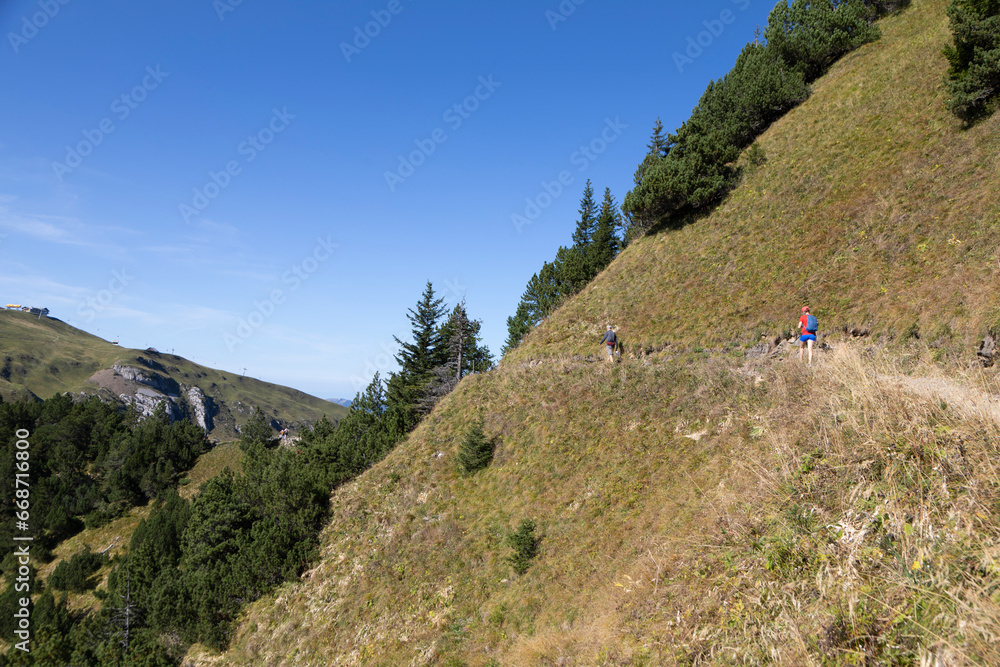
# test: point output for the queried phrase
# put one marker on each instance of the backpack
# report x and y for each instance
(811, 324)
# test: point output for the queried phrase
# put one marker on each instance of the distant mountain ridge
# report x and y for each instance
(346, 402)
(42, 356)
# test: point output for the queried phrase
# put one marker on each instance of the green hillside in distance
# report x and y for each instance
(45, 356)
(696, 505)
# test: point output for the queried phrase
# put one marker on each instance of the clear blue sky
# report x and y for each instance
(263, 185)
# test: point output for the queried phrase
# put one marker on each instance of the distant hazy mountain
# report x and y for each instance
(341, 401)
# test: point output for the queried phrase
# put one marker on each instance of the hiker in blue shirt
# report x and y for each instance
(807, 333)
(611, 340)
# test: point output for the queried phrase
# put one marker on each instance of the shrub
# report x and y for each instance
(692, 170)
(476, 450)
(756, 155)
(525, 545)
(75, 574)
(811, 36)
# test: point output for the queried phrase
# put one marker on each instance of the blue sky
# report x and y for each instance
(269, 186)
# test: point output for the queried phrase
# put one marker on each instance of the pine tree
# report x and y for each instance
(810, 36)
(457, 332)
(368, 432)
(518, 326)
(588, 218)
(639, 217)
(571, 271)
(418, 359)
(476, 450)
(466, 353)
(604, 245)
(974, 75)
(257, 431)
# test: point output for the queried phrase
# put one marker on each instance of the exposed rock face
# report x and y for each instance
(201, 406)
(147, 391)
(987, 351)
(146, 401)
(160, 384)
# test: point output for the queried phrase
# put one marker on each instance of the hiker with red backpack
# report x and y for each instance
(807, 337)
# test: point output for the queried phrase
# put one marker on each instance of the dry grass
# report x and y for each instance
(211, 463)
(821, 516)
(111, 539)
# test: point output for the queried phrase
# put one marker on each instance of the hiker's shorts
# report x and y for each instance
(611, 349)
(804, 337)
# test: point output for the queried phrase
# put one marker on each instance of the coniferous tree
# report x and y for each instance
(974, 75)
(369, 431)
(257, 430)
(810, 36)
(604, 245)
(658, 144)
(476, 450)
(466, 353)
(418, 359)
(595, 244)
(588, 218)
(518, 326)
(691, 170)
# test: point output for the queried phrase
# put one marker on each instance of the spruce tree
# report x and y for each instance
(518, 326)
(588, 218)
(658, 145)
(604, 245)
(418, 359)
(476, 450)
(974, 75)
(466, 353)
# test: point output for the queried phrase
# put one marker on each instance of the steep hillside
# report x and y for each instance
(44, 356)
(873, 207)
(694, 505)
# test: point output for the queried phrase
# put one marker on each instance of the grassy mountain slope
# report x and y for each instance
(46, 356)
(693, 506)
(873, 207)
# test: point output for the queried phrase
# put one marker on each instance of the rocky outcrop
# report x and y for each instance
(201, 407)
(161, 384)
(147, 400)
(987, 353)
